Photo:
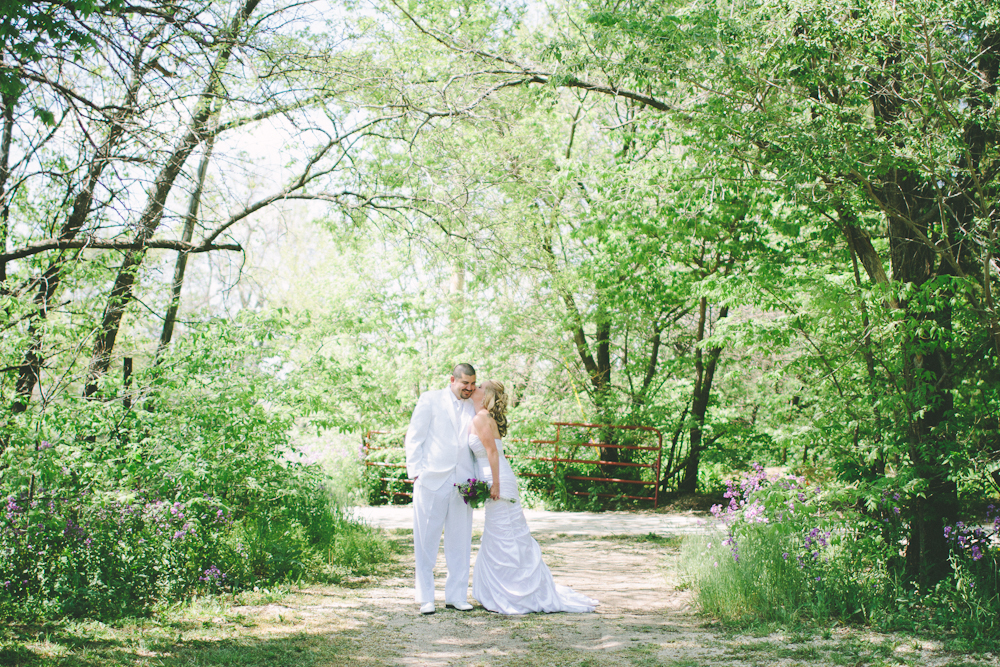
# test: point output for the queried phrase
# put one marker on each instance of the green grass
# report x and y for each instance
(644, 655)
(226, 629)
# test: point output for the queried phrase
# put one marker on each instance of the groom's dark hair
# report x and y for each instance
(463, 369)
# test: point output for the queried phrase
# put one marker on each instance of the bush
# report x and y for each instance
(196, 489)
(785, 555)
(107, 557)
(383, 483)
(792, 552)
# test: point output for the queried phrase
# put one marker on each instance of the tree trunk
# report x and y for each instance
(669, 470)
(909, 206)
(654, 355)
(181, 266)
(8, 101)
(456, 294)
(601, 381)
(927, 378)
(149, 221)
(704, 371)
(851, 232)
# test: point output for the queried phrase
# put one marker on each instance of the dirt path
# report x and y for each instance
(631, 578)
(644, 619)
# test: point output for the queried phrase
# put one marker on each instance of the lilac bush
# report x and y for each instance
(106, 510)
(976, 563)
(975, 542)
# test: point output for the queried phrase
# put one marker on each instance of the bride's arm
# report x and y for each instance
(484, 429)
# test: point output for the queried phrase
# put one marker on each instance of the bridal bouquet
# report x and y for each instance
(475, 492)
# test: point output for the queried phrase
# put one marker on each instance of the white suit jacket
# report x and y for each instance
(437, 448)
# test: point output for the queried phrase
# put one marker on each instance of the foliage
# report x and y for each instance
(105, 558)
(194, 487)
(29, 29)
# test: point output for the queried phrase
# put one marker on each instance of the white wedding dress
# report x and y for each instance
(510, 576)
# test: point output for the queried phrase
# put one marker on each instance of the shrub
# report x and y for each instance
(107, 557)
(196, 488)
(791, 551)
(785, 555)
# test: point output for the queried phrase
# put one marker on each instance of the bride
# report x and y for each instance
(509, 576)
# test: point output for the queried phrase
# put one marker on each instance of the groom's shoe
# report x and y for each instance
(461, 606)
(427, 608)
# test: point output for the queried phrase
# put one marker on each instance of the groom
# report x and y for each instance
(437, 458)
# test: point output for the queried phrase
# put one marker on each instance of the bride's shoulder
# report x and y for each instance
(482, 417)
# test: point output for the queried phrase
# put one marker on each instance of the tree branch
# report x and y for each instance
(71, 244)
(534, 75)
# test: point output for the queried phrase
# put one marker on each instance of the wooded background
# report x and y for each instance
(767, 228)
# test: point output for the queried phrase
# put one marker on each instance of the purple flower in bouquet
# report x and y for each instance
(474, 492)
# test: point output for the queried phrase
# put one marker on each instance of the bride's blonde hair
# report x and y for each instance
(495, 402)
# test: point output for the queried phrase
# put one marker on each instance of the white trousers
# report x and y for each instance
(436, 511)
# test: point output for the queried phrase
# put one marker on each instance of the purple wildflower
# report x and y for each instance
(755, 513)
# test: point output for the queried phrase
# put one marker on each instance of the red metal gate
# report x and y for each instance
(558, 443)
(393, 449)
(391, 446)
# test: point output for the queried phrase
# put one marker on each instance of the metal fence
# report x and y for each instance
(574, 449)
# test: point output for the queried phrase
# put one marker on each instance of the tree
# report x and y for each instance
(168, 80)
